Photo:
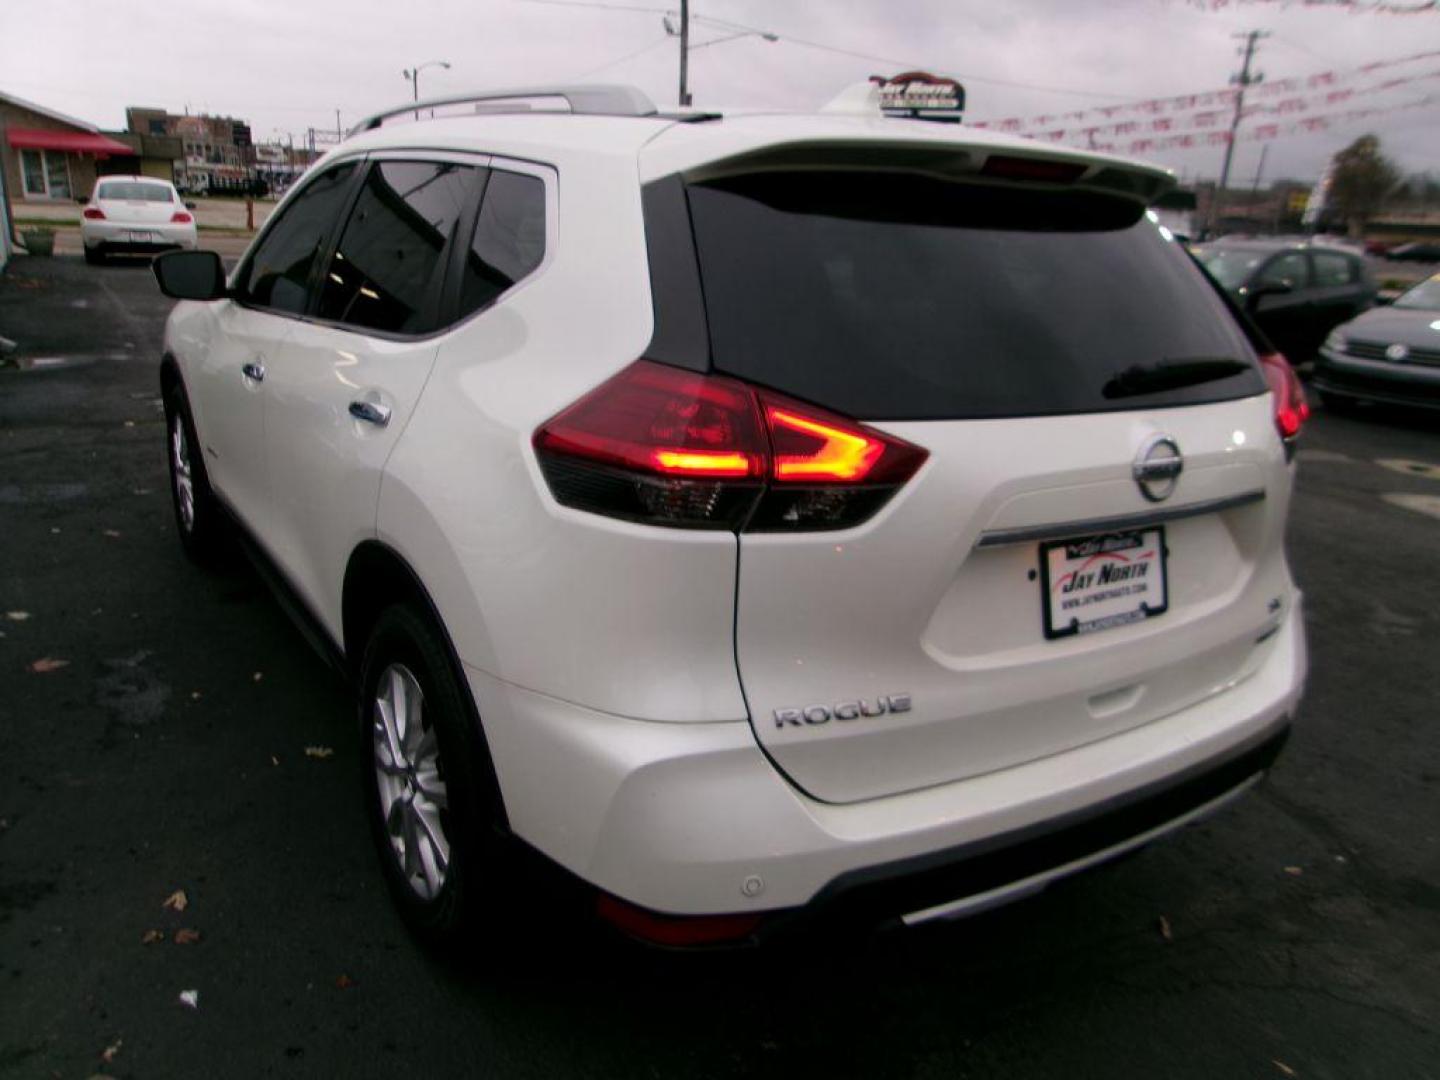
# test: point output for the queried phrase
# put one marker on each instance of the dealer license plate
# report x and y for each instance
(137, 237)
(1096, 582)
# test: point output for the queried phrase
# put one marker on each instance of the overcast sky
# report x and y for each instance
(287, 65)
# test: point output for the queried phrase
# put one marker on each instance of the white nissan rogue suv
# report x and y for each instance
(763, 517)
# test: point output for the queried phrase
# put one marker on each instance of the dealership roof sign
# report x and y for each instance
(920, 95)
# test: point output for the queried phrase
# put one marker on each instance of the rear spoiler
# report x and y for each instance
(1039, 168)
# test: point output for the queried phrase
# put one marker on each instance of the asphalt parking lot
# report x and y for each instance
(164, 729)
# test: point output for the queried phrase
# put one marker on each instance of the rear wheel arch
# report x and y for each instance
(376, 579)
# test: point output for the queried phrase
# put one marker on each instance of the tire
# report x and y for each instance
(433, 806)
(94, 256)
(198, 518)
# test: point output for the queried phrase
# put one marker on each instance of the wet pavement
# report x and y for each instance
(162, 747)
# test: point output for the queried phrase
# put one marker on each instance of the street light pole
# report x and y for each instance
(684, 52)
(1242, 82)
(413, 74)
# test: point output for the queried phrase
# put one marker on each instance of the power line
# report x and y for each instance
(628, 56)
(837, 50)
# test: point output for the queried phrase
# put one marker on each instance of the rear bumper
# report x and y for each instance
(691, 819)
(1376, 380)
(160, 236)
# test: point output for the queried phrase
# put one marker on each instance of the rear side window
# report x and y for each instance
(134, 191)
(278, 274)
(1332, 269)
(389, 266)
(899, 297)
(509, 239)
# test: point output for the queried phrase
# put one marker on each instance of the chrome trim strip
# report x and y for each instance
(971, 905)
(1120, 523)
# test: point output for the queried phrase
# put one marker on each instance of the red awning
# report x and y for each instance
(73, 142)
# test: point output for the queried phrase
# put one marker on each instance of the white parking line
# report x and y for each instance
(1423, 504)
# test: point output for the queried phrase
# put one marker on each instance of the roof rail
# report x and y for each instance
(594, 100)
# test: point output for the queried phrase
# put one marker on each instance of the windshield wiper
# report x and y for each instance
(1171, 375)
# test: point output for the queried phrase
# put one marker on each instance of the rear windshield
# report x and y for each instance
(134, 191)
(899, 297)
(1231, 267)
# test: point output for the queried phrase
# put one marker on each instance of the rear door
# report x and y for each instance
(416, 256)
(1340, 291)
(1023, 594)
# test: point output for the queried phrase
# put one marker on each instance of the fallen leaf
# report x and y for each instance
(150, 937)
(190, 998)
(129, 423)
(186, 936)
(321, 752)
(17, 616)
(257, 676)
(113, 533)
(274, 760)
(1165, 931)
(108, 1054)
(177, 901)
(194, 695)
(55, 530)
(1294, 871)
(47, 664)
(139, 491)
(1286, 1069)
(344, 982)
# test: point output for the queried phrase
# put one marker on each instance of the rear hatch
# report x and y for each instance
(1023, 593)
(135, 202)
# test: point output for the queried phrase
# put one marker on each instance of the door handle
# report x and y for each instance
(372, 412)
(254, 371)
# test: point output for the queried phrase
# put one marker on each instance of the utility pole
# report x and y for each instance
(1242, 82)
(684, 52)
(339, 135)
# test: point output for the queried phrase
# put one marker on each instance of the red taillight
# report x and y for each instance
(180, 217)
(94, 213)
(672, 447)
(675, 930)
(1291, 408)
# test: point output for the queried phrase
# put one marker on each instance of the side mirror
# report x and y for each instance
(190, 275)
(1255, 293)
(1384, 300)
(189, 205)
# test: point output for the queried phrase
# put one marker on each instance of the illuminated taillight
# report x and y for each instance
(1291, 408)
(180, 217)
(94, 213)
(671, 447)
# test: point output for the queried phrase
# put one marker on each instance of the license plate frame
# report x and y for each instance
(1122, 552)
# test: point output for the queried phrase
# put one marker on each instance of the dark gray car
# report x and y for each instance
(1296, 292)
(1390, 354)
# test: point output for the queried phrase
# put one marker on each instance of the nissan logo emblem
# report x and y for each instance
(1157, 468)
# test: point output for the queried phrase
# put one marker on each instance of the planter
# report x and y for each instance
(39, 241)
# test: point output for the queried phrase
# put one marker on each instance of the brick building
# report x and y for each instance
(48, 156)
(216, 150)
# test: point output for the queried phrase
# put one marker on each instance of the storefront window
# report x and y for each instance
(45, 173)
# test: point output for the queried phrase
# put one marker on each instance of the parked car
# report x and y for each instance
(1296, 292)
(930, 552)
(1390, 354)
(135, 215)
(1416, 251)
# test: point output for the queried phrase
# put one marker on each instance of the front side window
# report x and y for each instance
(278, 274)
(509, 240)
(389, 265)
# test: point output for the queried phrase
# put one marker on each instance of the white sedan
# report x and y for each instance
(135, 215)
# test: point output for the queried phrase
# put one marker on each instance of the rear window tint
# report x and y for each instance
(134, 191)
(899, 297)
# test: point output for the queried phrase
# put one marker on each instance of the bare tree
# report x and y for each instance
(1363, 177)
